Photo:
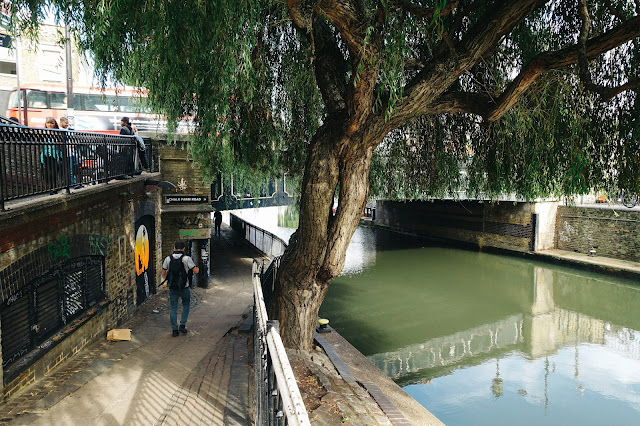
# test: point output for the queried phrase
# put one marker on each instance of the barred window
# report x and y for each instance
(48, 303)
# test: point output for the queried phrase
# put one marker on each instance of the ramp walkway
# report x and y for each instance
(201, 377)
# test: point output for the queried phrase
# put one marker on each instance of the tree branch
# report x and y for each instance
(300, 15)
(492, 108)
(432, 81)
(562, 58)
(330, 68)
(349, 20)
(426, 13)
(606, 93)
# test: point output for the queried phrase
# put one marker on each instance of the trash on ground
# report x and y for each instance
(119, 334)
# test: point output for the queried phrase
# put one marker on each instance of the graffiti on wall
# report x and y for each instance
(98, 245)
(142, 256)
(145, 232)
(188, 222)
(59, 249)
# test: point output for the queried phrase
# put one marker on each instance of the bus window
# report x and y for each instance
(100, 103)
(13, 99)
(36, 99)
(123, 103)
(58, 100)
(133, 104)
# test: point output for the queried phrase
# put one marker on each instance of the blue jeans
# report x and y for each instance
(174, 295)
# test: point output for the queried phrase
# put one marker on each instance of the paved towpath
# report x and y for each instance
(198, 378)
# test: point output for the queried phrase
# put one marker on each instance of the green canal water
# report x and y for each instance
(483, 339)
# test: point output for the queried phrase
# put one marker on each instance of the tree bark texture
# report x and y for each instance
(317, 250)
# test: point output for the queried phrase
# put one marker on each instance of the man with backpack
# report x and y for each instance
(176, 268)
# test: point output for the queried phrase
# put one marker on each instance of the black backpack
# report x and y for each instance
(177, 276)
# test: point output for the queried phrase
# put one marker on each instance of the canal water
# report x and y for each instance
(485, 339)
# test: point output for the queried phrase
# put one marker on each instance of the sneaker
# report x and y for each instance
(183, 329)
(176, 333)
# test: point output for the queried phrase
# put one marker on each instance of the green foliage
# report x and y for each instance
(238, 69)
(556, 140)
(245, 76)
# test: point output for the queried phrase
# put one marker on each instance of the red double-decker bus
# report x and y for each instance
(95, 109)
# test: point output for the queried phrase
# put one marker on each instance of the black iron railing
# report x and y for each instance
(42, 161)
(277, 399)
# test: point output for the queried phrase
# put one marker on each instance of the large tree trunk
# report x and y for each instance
(317, 250)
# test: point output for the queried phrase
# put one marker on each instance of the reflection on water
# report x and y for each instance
(486, 339)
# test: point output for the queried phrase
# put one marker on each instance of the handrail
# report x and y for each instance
(268, 243)
(276, 392)
(39, 161)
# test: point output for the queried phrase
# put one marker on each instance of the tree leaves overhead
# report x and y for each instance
(237, 68)
(244, 70)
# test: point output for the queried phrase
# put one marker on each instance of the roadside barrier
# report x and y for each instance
(277, 398)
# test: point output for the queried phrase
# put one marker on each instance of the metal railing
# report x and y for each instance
(265, 241)
(40, 161)
(277, 398)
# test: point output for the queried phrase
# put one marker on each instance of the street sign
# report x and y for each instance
(195, 234)
(186, 199)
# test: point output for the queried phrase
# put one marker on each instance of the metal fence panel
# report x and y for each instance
(38, 161)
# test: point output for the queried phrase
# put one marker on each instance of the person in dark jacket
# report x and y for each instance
(126, 127)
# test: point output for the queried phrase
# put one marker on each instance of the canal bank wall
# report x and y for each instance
(526, 227)
(515, 226)
(607, 232)
(602, 239)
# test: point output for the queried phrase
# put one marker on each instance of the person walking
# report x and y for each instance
(217, 219)
(176, 268)
(74, 161)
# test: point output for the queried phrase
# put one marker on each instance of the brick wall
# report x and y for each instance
(501, 225)
(98, 221)
(177, 167)
(612, 232)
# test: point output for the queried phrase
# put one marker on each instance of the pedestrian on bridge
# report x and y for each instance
(176, 268)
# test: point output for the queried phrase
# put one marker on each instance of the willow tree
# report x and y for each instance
(531, 96)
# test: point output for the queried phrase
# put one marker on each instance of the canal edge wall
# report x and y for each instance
(602, 240)
(514, 226)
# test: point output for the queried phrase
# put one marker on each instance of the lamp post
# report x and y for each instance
(67, 46)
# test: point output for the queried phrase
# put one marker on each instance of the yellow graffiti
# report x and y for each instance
(142, 250)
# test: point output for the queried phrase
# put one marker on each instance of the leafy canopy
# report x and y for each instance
(249, 78)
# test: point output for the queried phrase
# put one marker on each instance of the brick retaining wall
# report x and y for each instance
(96, 222)
(612, 233)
